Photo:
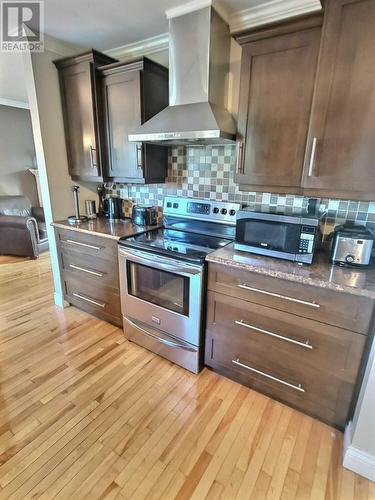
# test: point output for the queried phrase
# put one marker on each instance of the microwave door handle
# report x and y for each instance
(170, 265)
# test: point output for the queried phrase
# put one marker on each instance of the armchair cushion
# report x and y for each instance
(42, 227)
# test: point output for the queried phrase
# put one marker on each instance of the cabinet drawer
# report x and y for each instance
(335, 308)
(89, 267)
(313, 392)
(285, 339)
(87, 244)
(306, 364)
(101, 301)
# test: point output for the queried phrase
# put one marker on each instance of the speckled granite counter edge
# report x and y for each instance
(86, 231)
(291, 277)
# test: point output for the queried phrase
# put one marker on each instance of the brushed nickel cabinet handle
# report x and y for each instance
(239, 165)
(312, 157)
(139, 148)
(91, 301)
(73, 242)
(277, 295)
(91, 153)
(88, 271)
(305, 344)
(298, 387)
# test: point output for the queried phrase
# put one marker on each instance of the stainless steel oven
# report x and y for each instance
(161, 301)
(163, 277)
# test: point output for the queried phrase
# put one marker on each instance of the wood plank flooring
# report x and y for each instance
(86, 414)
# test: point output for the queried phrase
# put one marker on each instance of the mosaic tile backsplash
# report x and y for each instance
(207, 172)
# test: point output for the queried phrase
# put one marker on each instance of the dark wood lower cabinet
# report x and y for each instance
(310, 365)
(89, 271)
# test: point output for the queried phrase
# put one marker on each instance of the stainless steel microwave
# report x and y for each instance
(284, 236)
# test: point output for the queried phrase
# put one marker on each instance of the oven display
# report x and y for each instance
(198, 208)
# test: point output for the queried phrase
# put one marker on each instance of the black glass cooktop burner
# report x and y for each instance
(178, 244)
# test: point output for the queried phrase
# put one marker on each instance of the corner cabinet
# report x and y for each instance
(81, 107)
(277, 81)
(341, 147)
(132, 93)
(306, 123)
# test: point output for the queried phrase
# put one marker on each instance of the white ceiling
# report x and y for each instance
(104, 24)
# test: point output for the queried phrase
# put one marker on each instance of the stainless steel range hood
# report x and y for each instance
(199, 44)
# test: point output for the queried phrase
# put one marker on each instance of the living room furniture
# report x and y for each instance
(23, 228)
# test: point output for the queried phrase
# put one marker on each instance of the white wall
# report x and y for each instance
(12, 82)
(17, 154)
(359, 449)
(46, 115)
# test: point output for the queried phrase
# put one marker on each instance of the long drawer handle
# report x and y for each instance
(305, 344)
(88, 271)
(73, 242)
(100, 304)
(169, 343)
(298, 387)
(285, 297)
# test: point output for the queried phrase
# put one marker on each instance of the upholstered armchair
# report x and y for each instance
(23, 229)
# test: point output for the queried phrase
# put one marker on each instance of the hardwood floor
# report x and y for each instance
(10, 259)
(86, 414)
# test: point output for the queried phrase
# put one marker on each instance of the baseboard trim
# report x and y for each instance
(357, 460)
(60, 301)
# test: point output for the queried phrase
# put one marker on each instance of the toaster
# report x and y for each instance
(352, 245)
(144, 215)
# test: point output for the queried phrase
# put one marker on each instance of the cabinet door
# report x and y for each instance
(77, 87)
(122, 110)
(277, 79)
(341, 147)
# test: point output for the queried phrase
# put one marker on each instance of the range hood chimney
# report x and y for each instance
(199, 44)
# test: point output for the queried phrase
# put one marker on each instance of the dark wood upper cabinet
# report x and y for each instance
(80, 95)
(341, 147)
(276, 89)
(132, 93)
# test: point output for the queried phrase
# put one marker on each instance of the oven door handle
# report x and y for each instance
(169, 343)
(165, 264)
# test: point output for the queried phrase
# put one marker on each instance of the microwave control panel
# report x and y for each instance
(307, 238)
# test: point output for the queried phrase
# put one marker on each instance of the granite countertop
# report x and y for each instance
(105, 227)
(357, 281)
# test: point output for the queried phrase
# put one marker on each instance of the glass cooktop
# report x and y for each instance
(177, 244)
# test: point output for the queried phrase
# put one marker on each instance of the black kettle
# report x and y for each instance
(115, 212)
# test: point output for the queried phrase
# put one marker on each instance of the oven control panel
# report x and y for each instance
(216, 211)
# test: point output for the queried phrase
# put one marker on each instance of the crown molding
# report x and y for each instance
(61, 48)
(194, 5)
(187, 7)
(14, 103)
(270, 12)
(145, 47)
